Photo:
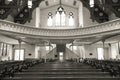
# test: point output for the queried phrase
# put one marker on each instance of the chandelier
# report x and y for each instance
(21, 2)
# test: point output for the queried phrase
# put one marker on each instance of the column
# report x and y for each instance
(37, 22)
(80, 14)
(118, 55)
(0, 51)
(37, 48)
(45, 54)
(19, 41)
(103, 41)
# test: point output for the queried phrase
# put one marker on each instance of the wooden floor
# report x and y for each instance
(62, 71)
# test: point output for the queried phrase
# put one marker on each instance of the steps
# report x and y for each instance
(62, 71)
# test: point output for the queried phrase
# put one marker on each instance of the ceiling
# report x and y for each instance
(49, 3)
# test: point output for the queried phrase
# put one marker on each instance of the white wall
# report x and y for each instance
(51, 54)
(114, 51)
(29, 49)
(37, 48)
(80, 13)
(90, 49)
(9, 53)
(44, 14)
(84, 51)
(69, 54)
(7, 40)
(42, 52)
(37, 17)
(80, 51)
(93, 49)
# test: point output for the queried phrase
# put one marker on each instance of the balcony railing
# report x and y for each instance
(101, 29)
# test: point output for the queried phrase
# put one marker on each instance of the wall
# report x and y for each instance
(69, 54)
(86, 18)
(32, 23)
(37, 48)
(9, 53)
(35, 21)
(107, 52)
(37, 24)
(78, 50)
(42, 51)
(7, 40)
(44, 14)
(90, 49)
(51, 54)
(93, 49)
(80, 13)
(29, 49)
(114, 51)
(85, 50)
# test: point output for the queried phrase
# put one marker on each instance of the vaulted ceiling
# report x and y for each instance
(22, 14)
(18, 9)
(50, 3)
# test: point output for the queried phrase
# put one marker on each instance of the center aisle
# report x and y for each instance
(62, 71)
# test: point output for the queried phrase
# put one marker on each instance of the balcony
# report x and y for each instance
(111, 27)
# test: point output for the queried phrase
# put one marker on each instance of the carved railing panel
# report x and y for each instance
(101, 29)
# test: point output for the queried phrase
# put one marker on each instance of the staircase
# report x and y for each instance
(62, 71)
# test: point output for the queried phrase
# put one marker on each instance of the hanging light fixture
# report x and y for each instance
(91, 2)
(10, 0)
(20, 3)
(29, 3)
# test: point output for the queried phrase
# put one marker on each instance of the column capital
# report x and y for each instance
(19, 41)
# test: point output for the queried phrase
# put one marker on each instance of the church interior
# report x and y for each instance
(59, 39)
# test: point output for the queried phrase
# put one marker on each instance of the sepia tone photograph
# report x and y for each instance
(59, 40)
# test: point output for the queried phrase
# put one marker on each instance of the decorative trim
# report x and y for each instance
(111, 27)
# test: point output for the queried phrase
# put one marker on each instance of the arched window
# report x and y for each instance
(71, 19)
(50, 20)
(60, 19)
(60, 16)
(57, 19)
(63, 19)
